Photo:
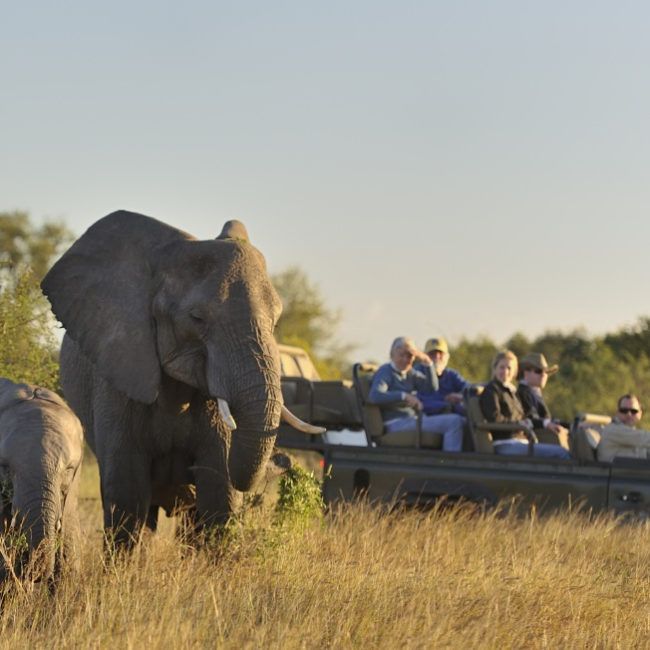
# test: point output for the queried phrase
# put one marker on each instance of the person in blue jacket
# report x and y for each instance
(396, 387)
(451, 384)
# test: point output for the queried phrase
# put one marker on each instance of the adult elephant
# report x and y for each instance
(170, 362)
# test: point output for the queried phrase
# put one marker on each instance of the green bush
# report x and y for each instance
(300, 499)
(28, 345)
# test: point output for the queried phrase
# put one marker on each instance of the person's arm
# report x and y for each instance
(459, 382)
(457, 385)
(425, 379)
(433, 404)
(382, 390)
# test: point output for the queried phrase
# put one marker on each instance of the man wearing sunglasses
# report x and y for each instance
(534, 374)
(621, 437)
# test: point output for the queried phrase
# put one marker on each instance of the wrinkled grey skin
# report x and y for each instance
(41, 445)
(158, 324)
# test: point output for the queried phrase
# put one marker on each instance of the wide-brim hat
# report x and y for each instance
(538, 360)
(439, 344)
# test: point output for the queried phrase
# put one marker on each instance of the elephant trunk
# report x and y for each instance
(256, 409)
(38, 515)
(249, 453)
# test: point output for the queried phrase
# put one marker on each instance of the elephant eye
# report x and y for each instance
(196, 318)
(68, 476)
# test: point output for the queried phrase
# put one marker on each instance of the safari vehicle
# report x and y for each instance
(410, 467)
(329, 403)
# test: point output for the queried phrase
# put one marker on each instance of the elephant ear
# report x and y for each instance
(101, 290)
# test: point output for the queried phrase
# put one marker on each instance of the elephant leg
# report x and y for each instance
(152, 518)
(126, 496)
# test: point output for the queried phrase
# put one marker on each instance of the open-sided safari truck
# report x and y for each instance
(328, 403)
(412, 468)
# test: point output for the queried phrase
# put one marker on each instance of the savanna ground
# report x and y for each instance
(355, 578)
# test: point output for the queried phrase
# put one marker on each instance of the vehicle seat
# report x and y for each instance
(481, 438)
(480, 428)
(325, 403)
(296, 394)
(335, 403)
(362, 376)
(585, 435)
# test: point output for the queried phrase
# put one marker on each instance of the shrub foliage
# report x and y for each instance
(28, 345)
(299, 499)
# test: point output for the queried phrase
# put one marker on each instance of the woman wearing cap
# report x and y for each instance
(499, 403)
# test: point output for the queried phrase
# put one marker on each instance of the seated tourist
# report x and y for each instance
(621, 437)
(534, 374)
(499, 403)
(393, 389)
(449, 396)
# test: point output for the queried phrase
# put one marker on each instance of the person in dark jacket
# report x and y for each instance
(499, 403)
(534, 374)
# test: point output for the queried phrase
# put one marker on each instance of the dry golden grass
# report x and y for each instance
(357, 579)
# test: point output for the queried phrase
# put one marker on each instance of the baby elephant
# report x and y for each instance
(41, 445)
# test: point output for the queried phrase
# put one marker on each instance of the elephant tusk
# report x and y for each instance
(226, 415)
(297, 423)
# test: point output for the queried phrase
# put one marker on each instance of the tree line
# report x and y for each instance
(594, 371)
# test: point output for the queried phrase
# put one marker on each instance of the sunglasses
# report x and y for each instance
(537, 371)
(628, 411)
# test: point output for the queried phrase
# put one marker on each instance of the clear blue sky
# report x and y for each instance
(448, 168)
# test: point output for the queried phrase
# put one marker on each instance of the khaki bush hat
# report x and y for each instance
(439, 344)
(538, 360)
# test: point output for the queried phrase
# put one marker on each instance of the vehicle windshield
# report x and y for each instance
(307, 368)
(289, 366)
(295, 362)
